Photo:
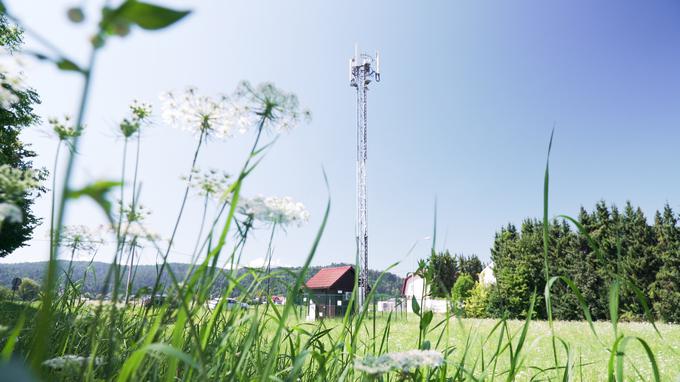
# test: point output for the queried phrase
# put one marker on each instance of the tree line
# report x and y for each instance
(646, 255)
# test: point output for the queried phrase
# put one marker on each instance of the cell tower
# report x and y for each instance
(362, 69)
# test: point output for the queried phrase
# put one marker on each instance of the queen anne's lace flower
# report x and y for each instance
(11, 82)
(81, 238)
(10, 213)
(281, 111)
(275, 210)
(14, 182)
(403, 361)
(141, 110)
(208, 183)
(139, 115)
(64, 128)
(70, 362)
(199, 114)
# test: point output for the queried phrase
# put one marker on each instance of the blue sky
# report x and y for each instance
(470, 91)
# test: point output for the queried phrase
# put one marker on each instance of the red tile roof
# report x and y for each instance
(326, 277)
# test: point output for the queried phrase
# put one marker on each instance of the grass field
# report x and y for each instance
(473, 342)
(585, 346)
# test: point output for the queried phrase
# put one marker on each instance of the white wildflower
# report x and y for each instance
(70, 362)
(14, 182)
(81, 238)
(403, 361)
(208, 183)
(281, 111)
(200, 114)
(10, 213)
(275, 210)
(12, 82)
(374, 365)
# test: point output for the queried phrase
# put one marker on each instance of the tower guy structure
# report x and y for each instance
(363, 68)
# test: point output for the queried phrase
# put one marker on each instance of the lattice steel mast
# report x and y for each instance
(362, 69)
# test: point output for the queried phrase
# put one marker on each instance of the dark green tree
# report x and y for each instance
(470, 265)
(665, 290)
(638, 262)
(16, 114)
(441, 274)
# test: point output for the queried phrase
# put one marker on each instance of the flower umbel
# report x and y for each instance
(275, 210)
(403, 361)
(11, 82)
(70, 364)
(139, 115)
(64, 128)
(14, 182)
(201, 114)
(280, 110)
(10, 213)
(208, 183)
(81, 238)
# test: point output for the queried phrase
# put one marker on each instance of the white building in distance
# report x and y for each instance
(415, 286)
(486, 277)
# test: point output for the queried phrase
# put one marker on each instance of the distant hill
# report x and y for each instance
(94, 275)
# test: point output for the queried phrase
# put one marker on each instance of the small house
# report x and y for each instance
(329, 292)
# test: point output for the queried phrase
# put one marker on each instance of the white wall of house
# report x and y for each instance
(414, 287)
(486, 277)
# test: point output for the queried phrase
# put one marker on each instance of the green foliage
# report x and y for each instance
(646, 256)
(16, 154)
(29, 290)
(462, 288)
(518, 267)
(476, 305)
(117, 21)
(665, 290)
(5, 293)
(470, 265)
(99, 192)
(442, 271)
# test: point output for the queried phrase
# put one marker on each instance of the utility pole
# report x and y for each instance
(363, 68)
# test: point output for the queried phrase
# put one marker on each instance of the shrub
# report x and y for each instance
(461, 289)
(5, 294)
(29, 290)
(477, 302)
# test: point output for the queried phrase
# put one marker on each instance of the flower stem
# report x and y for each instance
(44, 319)
(194, 254)
(269, 260)
(53, 239)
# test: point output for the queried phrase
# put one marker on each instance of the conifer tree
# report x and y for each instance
(666, 288)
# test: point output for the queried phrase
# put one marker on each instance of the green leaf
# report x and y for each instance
(426, 345)
(614, 304)
(426, 319)
(68, 65)
(149, 16)
(415, 306)
(97, 191)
